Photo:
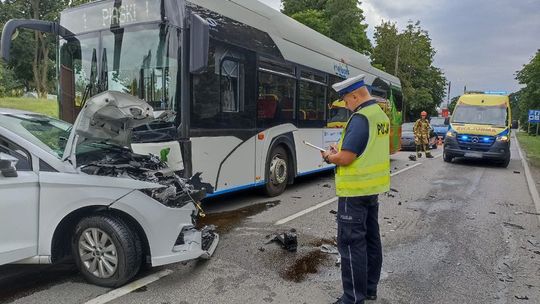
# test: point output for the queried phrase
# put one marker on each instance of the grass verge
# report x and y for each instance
(43, 106)
(531, 145)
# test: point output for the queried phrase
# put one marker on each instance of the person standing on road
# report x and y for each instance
(362, 172)
(421, 131)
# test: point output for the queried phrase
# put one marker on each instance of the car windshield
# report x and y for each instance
(481, 115)
(407, 127)
(437, 121)
(43, 131)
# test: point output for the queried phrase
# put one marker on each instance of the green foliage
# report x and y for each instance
(528, 98)
(314, 19)
(531, 145)
(8, 83)
(341, 20)
(44, 106)
(453, 103)
(424, 85)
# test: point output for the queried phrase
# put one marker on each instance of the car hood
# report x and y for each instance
(108, 117)
(407, 134)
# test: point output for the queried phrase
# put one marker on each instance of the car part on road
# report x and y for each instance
(106, 250)
(288, 240)
(412, 157)
(330, 249)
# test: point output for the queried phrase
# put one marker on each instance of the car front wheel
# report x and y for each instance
(447, 157)
(106, 250)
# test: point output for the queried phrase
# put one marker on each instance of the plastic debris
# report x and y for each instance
(330, 249)
(288, 240)
(511, 225)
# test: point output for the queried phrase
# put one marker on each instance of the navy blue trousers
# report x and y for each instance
(359, 244)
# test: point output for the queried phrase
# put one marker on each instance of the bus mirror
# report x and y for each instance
(199, 44)
(12, 26)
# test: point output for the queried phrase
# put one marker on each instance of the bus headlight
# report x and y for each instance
(503, 138)
(451, 134)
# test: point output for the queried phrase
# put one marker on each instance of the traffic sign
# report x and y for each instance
(534, 116)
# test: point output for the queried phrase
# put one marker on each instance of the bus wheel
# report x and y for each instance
(277, 172)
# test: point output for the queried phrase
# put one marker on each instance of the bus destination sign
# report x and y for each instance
(110, 14)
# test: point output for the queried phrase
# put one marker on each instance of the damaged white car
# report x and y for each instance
(79, 191)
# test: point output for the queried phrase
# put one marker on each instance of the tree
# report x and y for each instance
(341, 20)
(453, 103)
(528, 98)
(409, 55)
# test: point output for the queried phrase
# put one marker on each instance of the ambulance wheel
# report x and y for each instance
(505, 162)
(447, 157)
(277, 171)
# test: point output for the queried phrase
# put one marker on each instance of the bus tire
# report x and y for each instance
(277, 171)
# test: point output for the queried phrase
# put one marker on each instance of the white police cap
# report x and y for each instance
(349, 85)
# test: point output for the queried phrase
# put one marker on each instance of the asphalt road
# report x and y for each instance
(452, 233)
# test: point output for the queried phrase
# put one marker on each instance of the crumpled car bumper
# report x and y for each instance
(170, 231)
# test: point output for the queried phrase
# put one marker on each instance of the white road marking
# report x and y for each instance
(330, 201)
(124, 290)
(308, 210)
(530, 180)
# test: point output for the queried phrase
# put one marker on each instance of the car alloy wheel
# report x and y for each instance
(98, 253)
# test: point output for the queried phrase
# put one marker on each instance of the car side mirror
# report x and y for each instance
(515, 124)
(447, 121)
(7, 165)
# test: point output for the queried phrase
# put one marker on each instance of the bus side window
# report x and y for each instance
(275, 104)
(312, 104)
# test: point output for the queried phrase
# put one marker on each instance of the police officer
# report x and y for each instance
(362, 173)
(421, 135)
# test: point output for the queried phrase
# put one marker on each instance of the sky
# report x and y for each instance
(480, 44)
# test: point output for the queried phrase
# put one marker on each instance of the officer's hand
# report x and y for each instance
(333, 149)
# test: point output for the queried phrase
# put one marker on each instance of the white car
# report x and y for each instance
(77, 191)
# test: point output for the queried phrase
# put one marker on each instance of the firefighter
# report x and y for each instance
(421, 135)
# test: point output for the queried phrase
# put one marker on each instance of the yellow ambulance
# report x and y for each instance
(480, 129)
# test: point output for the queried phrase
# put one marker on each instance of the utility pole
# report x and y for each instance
(464, 89)
(448, 97)
(397, 61)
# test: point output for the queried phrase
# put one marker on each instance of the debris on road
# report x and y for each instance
(333, 212)
(412, 157)
(511, 225)
(517, 172)
(326, 186)
(521, 297)
(288, 240)
(394, 190)
(492, 212)
(531, 213)
(518, 212)
(329, 249)
(399, 203)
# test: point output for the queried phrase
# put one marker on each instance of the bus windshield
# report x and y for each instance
(140, 60)
(481, 115)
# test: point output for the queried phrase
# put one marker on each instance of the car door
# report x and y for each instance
(19, 203)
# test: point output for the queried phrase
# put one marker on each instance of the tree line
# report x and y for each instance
(406, 53)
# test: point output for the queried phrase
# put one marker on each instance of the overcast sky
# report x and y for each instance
(479, 43)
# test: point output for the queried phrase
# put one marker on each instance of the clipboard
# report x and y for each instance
(313, 146)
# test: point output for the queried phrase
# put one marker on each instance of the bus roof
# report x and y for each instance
(484, 99)
(299, 43)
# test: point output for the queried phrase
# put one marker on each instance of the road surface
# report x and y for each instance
(465, 232)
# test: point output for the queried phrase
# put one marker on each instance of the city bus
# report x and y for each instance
(237, 85)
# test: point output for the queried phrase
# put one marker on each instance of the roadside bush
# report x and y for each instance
(9, 86)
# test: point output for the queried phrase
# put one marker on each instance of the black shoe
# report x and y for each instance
(338, 301)
(372, 297)
(429, 156)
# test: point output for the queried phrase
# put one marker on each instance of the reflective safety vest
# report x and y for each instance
(369, 174)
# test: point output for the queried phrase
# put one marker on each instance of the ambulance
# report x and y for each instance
(480, 129)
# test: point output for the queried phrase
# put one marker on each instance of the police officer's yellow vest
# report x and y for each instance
(369, 174)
